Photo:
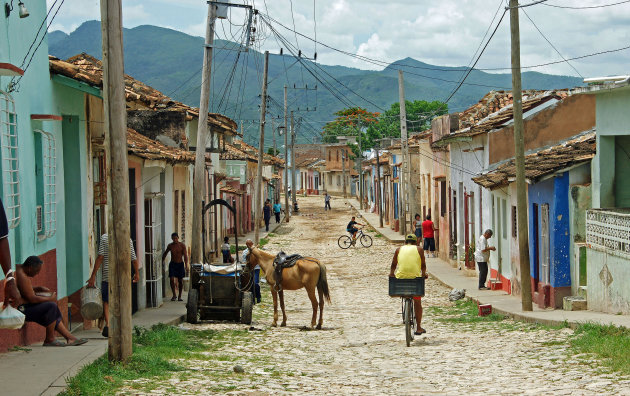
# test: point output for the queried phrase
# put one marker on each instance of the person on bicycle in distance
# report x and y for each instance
(352, 229)
(408, 263)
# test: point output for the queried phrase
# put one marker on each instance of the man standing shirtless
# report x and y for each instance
(178, 266)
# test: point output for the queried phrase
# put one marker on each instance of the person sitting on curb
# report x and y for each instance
(39, 305)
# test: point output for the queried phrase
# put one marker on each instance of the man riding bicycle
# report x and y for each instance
(352, 229)
(408, 263)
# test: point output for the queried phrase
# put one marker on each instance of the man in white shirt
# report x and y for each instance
(482, 256)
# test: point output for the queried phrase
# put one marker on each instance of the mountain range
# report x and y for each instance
(170, 61)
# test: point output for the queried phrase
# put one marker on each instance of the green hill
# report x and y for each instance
(171, 62)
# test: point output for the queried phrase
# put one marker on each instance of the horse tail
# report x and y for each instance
(322, 283)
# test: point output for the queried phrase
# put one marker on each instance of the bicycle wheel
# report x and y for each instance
(344, 241)
(408, 321)
(366, 240)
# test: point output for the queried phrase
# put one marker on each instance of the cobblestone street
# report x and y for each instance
(361, 349)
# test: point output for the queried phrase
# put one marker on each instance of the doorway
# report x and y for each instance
(153, 247)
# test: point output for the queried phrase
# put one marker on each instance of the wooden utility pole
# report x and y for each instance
(199, 182)
(120, 326)
(519, 154)
(405, 155)
(378, 188)
(276, 192)
(261, 154)
(287, 211)
(293, 174)
(343, 171)
(360, 170)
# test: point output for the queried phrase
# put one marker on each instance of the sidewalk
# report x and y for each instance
(373, 220)
(43, 370)
(501, 302)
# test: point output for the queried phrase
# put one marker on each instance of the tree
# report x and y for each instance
(349, 122)
(270, 151)
(419, 116)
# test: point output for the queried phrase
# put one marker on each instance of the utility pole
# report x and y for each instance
(120, 326)
(405, 155)
(261, 152)
(360, 170)
(287, 212)
(199, 185)
(293, 174)
(519, 154)
(276, 192)
(378, 188)
(343, 171)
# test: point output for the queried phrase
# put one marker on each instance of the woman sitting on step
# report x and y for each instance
(39, 305)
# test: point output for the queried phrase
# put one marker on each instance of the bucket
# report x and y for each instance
(485, 309)
(91, 303)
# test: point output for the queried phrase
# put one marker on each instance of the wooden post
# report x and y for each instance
(287, 211)
(293, 174)
(261, 151)
(519, 151)
(403, 181)
(360, 159)
(115, 112)
(199, 185)
(343, 171)
(378, 190)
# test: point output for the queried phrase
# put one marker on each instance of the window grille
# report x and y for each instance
(10, 168)
(49, 183)
(100, 178)
(183, 216)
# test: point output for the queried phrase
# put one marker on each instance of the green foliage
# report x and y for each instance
(349, 122)
(271, 151)
(240, 248)
(466, 311)
(609, 343)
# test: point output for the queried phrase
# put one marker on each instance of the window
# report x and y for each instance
(329, 155)
(442, 198)
(337, 151)
(46, 183)
(99, 178)
(10, 168)
(514, 225)
(182, 233)
(504, 218)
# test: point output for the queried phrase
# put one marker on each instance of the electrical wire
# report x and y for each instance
(586, 7)
(552, 46)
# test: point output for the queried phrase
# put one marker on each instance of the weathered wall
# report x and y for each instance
(607, 282)
(168, 127)
(580, 199)
(558, 122)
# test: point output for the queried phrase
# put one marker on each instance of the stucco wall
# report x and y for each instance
(607, 282)
(566, 118)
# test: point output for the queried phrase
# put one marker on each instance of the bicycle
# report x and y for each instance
(406, 289)
(345, 241)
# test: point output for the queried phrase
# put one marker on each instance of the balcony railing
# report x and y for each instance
(609, 230)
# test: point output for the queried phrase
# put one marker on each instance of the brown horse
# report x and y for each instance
(307, 273)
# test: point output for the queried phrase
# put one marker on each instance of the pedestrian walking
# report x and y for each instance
(277, 208)
(482, 256)
(267, 214)
(428, 235)
(103, 258)
(178, 266)
(417, 228)
(327, 202)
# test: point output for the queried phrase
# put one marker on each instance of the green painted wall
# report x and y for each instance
(603, 170)
(622, 170)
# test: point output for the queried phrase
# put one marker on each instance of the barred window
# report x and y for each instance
(10, 168)
(46, 183)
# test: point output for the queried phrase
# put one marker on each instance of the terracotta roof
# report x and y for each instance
(231, 190)
(306, 162)
(579, 149)
(143, 147)
(239, 150)
(87, 69)
(233, 153)
(494, 110)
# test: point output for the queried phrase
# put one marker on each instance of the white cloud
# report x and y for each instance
(445, 32)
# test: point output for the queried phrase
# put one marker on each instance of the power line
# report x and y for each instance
(552, 46)
(586, 7)
(478, 57)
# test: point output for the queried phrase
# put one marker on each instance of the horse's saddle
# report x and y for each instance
(281, 262)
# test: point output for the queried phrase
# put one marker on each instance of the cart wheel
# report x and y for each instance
(192, 306)
(246, 309)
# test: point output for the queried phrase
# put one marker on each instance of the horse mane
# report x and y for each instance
(259, 252)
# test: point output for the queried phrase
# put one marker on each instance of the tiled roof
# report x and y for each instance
(231, 190)
(233, 153)
(306, 162)
(579, 149)
(87, 69)
(143, 147)
(494, 110)
(239, 150)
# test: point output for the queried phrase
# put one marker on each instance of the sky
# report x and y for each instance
(438, 32)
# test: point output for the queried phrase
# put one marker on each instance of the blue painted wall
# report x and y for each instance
(555, 193)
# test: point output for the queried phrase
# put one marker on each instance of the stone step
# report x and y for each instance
(582, 291)
(574, 303)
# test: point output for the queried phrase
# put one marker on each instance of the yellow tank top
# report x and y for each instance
(409, 263)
